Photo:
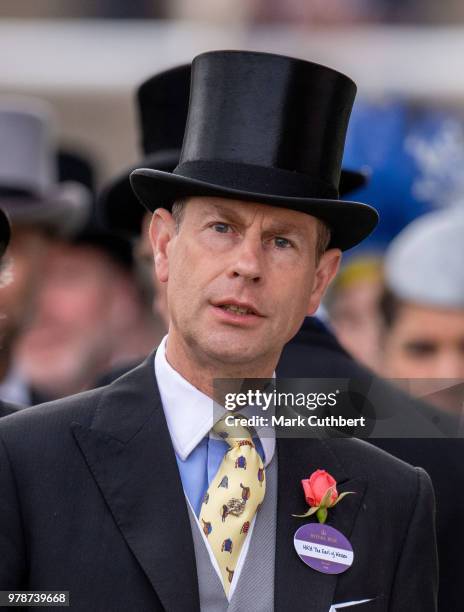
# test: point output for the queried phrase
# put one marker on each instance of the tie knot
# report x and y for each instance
(232, 431)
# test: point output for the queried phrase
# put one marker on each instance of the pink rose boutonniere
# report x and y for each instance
(320, 491)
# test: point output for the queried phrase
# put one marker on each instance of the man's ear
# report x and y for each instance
(326, 269)
(161, 231)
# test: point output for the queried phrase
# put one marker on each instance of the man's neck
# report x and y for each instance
(201, 371)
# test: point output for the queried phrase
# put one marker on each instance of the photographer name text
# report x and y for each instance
(298, 421)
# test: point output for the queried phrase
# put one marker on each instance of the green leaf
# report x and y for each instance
(341, 496)
(310, 512)
(321, 515)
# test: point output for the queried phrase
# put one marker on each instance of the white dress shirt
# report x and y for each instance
(190, 416)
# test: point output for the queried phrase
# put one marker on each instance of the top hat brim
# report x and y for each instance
(120, 210)
(63, 210)
(4, 232)
(351, 180)
(349, 222)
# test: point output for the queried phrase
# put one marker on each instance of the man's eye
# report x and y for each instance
(221, 228)
(282, 243)
(420, 348)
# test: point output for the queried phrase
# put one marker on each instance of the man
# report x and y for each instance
(126, 468)
(423, 308)
(39, 206)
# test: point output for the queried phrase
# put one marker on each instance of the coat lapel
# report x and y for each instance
(297, 586)
(129, 453)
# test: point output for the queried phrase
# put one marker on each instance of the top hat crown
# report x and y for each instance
(162, 105)
(264, 128)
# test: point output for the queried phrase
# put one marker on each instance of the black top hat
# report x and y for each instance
(162, 103)
(265, 128)
(4, 232)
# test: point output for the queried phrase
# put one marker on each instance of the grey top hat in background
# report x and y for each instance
(29, 190)
(424, 264)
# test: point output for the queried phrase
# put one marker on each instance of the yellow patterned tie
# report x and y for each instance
(233, 498)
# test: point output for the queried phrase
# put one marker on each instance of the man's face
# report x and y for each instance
(425, 342)
(356, 320)
(75, 326)
(241, 277)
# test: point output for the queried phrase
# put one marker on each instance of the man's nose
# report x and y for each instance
(248, 259)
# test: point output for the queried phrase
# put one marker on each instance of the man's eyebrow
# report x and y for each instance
(277, 226)
(284, 227)
(226, 213)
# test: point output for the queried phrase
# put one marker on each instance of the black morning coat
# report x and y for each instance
(92, 502)
(315, 352)
(7, 408)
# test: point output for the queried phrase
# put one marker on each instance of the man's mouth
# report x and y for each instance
(238, 308)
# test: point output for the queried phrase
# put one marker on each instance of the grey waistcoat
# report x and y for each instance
(255, 588)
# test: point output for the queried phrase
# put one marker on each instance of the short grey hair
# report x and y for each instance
(324, 236)
(177, 211)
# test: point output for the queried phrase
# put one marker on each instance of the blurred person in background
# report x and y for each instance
(423, 308)
(161, 105)
(39, 207)
(415, 154)
(353, 309)
(92, 313)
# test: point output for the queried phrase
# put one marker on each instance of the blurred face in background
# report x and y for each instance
(425, 347)
(84, 305)
(25, 259)
(425, 342)
(353, 309)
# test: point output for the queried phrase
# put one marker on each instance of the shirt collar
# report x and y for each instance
(189, 412)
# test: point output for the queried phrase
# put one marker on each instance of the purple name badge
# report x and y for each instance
(323, 548)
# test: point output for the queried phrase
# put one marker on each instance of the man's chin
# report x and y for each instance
(234, 352)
